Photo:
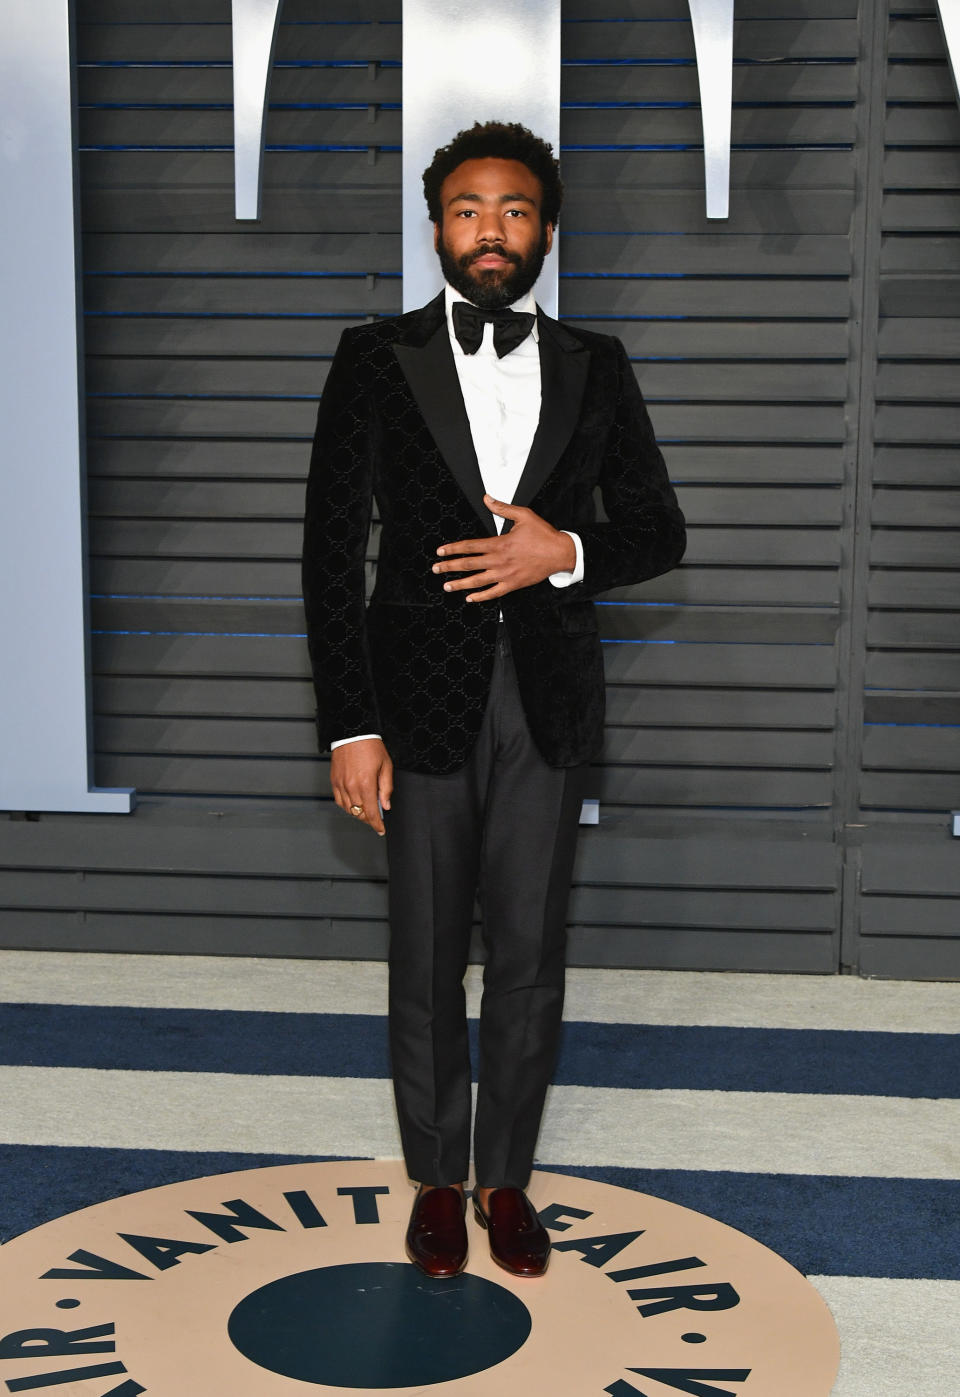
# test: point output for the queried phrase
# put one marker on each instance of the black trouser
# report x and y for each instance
(506, 824)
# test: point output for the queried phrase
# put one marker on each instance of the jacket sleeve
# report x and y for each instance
(336, 530)
(644, 533)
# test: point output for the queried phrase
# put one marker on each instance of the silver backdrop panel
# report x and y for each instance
(950, 22)
(44, 711)
(712, 22)
(462, 63)
(254, 38)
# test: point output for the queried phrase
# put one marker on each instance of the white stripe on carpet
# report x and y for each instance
(696, 998)
(897, 1338)
(885, 1137)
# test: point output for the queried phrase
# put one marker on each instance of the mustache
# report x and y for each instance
(495, 249)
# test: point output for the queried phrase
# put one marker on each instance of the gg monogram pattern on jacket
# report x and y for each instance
(415, 664)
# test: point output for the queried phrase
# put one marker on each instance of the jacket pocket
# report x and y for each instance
(579, 618)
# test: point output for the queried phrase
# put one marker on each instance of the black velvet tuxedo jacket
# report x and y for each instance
(415, 664)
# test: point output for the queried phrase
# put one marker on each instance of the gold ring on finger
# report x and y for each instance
(357, 810)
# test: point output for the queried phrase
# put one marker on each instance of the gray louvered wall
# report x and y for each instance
(911, 569)
(746, 821)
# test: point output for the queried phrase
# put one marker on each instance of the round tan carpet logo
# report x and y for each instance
(291, 1280)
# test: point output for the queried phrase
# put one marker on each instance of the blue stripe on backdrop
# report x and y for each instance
(593, 1054)
(824, 1225)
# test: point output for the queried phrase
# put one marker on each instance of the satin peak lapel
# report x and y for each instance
(564, 362)
(432, 377)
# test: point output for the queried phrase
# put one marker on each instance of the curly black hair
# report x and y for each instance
(499, 140)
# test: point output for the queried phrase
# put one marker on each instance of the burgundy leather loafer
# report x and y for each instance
(436, 1238)
(518, 1239)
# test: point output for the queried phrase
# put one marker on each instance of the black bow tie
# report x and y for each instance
(510, 327)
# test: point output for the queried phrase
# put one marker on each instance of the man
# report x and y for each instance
(463, 704)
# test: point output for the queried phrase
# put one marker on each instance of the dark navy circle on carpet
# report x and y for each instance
(378, 1324)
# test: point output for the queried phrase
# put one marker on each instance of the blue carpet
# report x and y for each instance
(822, 1224)
(592, 1054)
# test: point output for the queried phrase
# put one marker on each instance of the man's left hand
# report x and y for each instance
(530, 552)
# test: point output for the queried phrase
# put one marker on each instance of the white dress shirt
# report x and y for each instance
(502, 399)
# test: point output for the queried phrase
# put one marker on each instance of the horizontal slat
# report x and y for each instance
(626, 705)
(608, 208)
(919, 383)
(927, 869)
(931, 256)
(909, 791)
(226, 578)
(244, 499)
(296, 418)
(689, 382)
(354, 939)
(903, 590)
(304, 11)
(919, 82)
(316, 170)
(889, 669)
(248, 898)
(246, 251)
(121, 696)
(254, 251)
(730, 586)
(911, 916)
(649, 786)
(912, 708)
(210, 43)
(905, 749)
(715, 708)
(707, 786)
(797, 83)
(915, 38)
(933, 296)
(269, 540)
(315, 841)
(260, 337)
(761, 666)
(352, 296)
(924, 126)
(764, 39)
(930, 210)
(783, 463)
(909, 958)
(928, 338)
(719, 749)
(261, 737)
(913, 630)
(221, 577)
(922, 507)
(920, 169)
(764, 546)
(187, 459)
(932, 422)
(145, 128)
(617, 621)
(901, 465)
(347, 297)
(211, 11)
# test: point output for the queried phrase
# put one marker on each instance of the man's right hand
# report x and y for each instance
(361, 774)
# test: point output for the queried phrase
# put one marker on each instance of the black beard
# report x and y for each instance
(489, 288)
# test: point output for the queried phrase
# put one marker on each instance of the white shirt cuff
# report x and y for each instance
(567, 579)
(342, 741)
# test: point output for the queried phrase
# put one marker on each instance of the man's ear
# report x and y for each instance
(436, 237)
(548, 229)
